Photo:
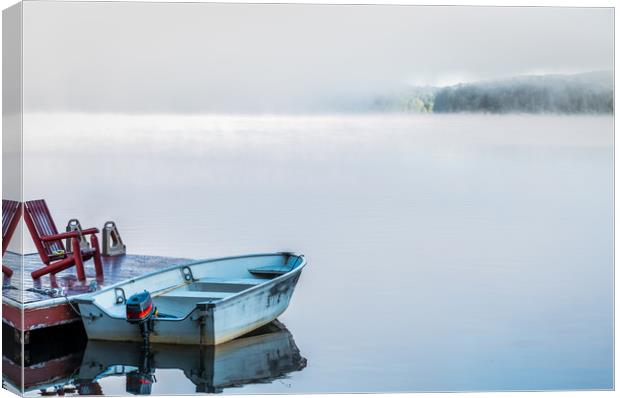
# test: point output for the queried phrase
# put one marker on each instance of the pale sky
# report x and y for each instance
(174, 57)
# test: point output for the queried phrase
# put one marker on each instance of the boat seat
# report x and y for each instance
(197, 293)
(236, 281)
(208, 285)
(271, 270)
(181, 305)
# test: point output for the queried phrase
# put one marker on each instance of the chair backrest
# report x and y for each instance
(11, 212)
(40, 223)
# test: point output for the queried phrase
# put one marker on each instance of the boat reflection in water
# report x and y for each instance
(264, 355)
(267, 354)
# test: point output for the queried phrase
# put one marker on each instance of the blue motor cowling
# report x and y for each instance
(139, 307)
(140, 310)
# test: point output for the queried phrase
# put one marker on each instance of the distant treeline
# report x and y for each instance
(583, 93)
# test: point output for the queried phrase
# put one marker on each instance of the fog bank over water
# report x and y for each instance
(284, 58)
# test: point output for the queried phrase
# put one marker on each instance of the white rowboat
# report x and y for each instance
(205, 302)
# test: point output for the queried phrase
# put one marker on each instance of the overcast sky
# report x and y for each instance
(162, 57)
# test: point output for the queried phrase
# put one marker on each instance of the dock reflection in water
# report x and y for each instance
(267, 354)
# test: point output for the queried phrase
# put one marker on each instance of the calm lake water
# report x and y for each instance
(447, 253)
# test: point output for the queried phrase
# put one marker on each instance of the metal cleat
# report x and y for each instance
(74, 225)
(112, 243)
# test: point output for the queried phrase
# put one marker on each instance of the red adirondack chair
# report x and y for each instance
(11, 212)
(50, 246)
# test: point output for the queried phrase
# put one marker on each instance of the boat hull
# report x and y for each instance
(209, 323)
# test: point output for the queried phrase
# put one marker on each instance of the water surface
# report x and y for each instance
(447, 253)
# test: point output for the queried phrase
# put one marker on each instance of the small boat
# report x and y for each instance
(206, 302)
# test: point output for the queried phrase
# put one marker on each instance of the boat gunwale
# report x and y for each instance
(219, 303)
(51, 302)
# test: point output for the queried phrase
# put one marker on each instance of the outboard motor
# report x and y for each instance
(140, 381)
(141, 311)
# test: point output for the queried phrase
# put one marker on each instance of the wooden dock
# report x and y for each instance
(45, 301)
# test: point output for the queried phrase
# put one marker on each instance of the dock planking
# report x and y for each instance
(115, 269)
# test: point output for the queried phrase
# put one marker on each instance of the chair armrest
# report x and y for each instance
(63, 235)
(90, 231)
